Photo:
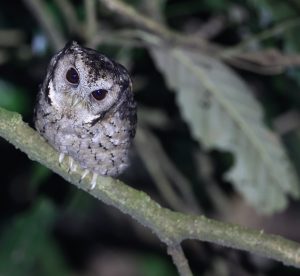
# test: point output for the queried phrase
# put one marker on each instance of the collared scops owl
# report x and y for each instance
(85, 109)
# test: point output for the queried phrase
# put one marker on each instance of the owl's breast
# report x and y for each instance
(98, 145)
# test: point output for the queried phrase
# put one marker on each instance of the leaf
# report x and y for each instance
(223, 114)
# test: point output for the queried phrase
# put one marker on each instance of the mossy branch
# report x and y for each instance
(171, 227)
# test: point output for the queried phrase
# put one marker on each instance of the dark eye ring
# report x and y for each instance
(72, 76)
(99, 94)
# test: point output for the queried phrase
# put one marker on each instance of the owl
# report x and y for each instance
(86, 110)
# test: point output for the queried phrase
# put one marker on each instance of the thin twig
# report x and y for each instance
(213, 27)
(232, 56)
(179, 260)
(153, 8)
(146, 23)
(167, 170)
(265, 62)
(277, 29)
(39, 10)
(205, 172)
(127, 37)
(179, 180)
(116, 38)
(147, 148)
(255, 67)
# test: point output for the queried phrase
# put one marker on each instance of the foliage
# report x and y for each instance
(221, 113)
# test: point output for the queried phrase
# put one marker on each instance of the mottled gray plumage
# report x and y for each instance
(87, 113)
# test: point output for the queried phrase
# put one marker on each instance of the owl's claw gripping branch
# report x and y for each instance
(72, 165)
(61, 157)
(94, 181)
(85, 173)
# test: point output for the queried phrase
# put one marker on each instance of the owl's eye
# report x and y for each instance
(99, 94)
(72, 76)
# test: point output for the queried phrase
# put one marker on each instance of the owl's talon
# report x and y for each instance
(61, 157)
(94, 181)
(85, 173)
(74, 169)
(72, 166)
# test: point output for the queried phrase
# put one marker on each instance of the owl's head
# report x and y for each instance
(82, 76)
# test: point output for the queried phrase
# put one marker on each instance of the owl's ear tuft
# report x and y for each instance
(70, 47)
(71, 44)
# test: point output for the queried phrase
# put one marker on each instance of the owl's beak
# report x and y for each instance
(75, 101)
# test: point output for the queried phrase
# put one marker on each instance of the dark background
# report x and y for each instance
(49, 227)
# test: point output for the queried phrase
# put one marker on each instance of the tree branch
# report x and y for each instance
(131, 15)
(171, 227)
(259, 62)
(179, 260)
